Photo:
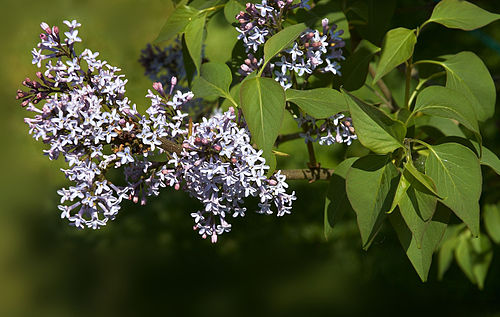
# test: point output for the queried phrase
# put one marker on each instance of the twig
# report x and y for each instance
(282, 138)
(310, 174)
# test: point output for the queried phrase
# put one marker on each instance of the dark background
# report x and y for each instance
(149, 261)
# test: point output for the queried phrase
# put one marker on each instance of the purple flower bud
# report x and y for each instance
(159, 88)
(217, 147)
(45, 27)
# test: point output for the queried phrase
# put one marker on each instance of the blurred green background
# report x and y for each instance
(149, 261)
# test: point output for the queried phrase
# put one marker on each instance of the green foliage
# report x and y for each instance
(420, 138)
(280, 41)
(397, 48)
(263, 103)
(374, 128)
(459, 14)
(370, 184)
(319, 102)
(176, 23)
(456, 171)
(214, 79)
(194, 38)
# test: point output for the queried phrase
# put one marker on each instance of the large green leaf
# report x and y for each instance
(281, 40)
(490, 159)
(355, 68)
(397, 48)
(214, 79)
(375, 130)
(371, 184)
(456, 172)
(194, 38)
(420, 254)
(459, 14)
(447, 103)
(263, 103)
(336, 202)
(319, 102)
(176, 23)
(467, 73)
(491, 213)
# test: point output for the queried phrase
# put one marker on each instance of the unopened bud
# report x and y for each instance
(177, 186)
(55, 29)
(135, 199)
(324, 22)
(39, 75)
(214, 238)
(273, 182)
(159, 88)
(217, 147)
(43, 36)
(234, 160)
(25, 103)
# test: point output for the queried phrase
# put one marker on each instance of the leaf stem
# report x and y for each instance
(409, 67)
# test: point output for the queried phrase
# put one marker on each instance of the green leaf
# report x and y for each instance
(371, 184)
(176, 23)
(474, 257)
(459, 14)
(355, 68)
(491, 215)
(397, 48)
(490, 159)
(280, 41)
(336, 202)
(403, 186)
(447, 249)
(437, 127)
(231, 9)
(421, 258)
(194, 39)
(447, 103)
(467, 73)
(375, 130)
(263, 103)
(421, 178)
(319, 103)
(456, 172)
(214, 79)
(417, 206)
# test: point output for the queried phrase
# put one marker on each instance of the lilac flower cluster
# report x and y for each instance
(312, 51)
(220, 168)
(87, 119)
(337, 128)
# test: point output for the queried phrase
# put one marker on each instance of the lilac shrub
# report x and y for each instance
(85, 117)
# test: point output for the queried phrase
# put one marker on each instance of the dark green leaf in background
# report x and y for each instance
(474, 257)
(491, 214)
(375, 130)
(490, 159)
(319, 103)
(456, 172)
(336, 202)
(459, 14)
(355, 68)
(371, 184)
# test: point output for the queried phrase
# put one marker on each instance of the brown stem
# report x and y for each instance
(311, 174)
(282, 138)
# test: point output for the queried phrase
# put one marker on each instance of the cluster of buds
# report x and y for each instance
(335, 129)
